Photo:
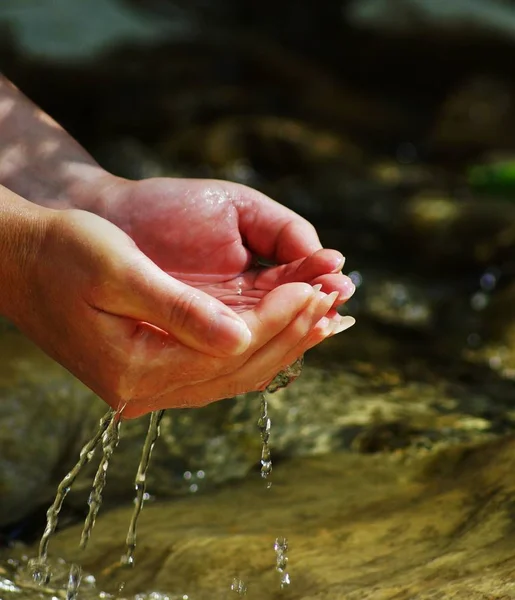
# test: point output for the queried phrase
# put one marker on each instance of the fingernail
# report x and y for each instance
(325, 326)
(340, 264)
(231, 334)
(348, 288)
(317, 287)
(345, 323)
(332, 297)
(327, 300)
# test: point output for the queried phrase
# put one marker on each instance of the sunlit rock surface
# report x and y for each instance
(413, 524)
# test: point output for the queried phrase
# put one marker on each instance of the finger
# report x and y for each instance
(141, 291)
(336, 283)
(307, 269)
(276, 311)
(270, 317)
(325, 328)
(288, 346)
(271, 230)
(260, 366)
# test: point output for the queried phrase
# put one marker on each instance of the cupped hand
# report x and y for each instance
(209, 234)
(142, 339)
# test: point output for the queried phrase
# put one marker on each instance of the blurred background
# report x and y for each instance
(389, 124)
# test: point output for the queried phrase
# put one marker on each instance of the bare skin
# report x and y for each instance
(148, 291)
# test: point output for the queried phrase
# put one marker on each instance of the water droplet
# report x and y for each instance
(238, 586)
(73, 582)
(281, 562)
(39, 570)
(264, 425)
(488, 281)
(356, 278)
(285, 580)
(479, 301)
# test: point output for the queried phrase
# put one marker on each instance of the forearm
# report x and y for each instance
(22, 229)
(38, 159)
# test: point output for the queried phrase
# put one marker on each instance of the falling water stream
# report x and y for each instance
(108, 435)
(282, 379)
(110, 439)
(140, 484)
(39, 566)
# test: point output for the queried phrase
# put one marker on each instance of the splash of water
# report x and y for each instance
(39, 567)
(110, 439)
(140, 484)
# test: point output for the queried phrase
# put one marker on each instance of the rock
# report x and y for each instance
(476, 116)
(67, 31)
(365, 407)
(469, 19)
(45, 415)
(422, 525)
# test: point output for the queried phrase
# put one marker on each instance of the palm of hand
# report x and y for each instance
(205, 234)
(193, 230)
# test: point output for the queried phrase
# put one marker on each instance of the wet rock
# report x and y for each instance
(44, 416)
(477, 116)
(364, 407)
(421, 525)
(395, 300)
(469, 19)
(67, 31)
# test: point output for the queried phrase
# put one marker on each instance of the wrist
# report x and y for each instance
(94, 192)
(39, 160)
(23, 227)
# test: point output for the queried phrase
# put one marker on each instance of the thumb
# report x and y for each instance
(196, 319)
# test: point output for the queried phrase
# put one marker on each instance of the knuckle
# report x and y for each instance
(180, 309)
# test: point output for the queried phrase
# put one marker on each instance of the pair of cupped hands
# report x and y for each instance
(155, 298)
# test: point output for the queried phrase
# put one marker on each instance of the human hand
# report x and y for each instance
(208, 233)
(183, 318)
(105, 311)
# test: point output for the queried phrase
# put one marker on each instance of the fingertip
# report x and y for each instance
(338, 261)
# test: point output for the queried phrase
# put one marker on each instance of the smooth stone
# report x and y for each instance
(418, 525)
